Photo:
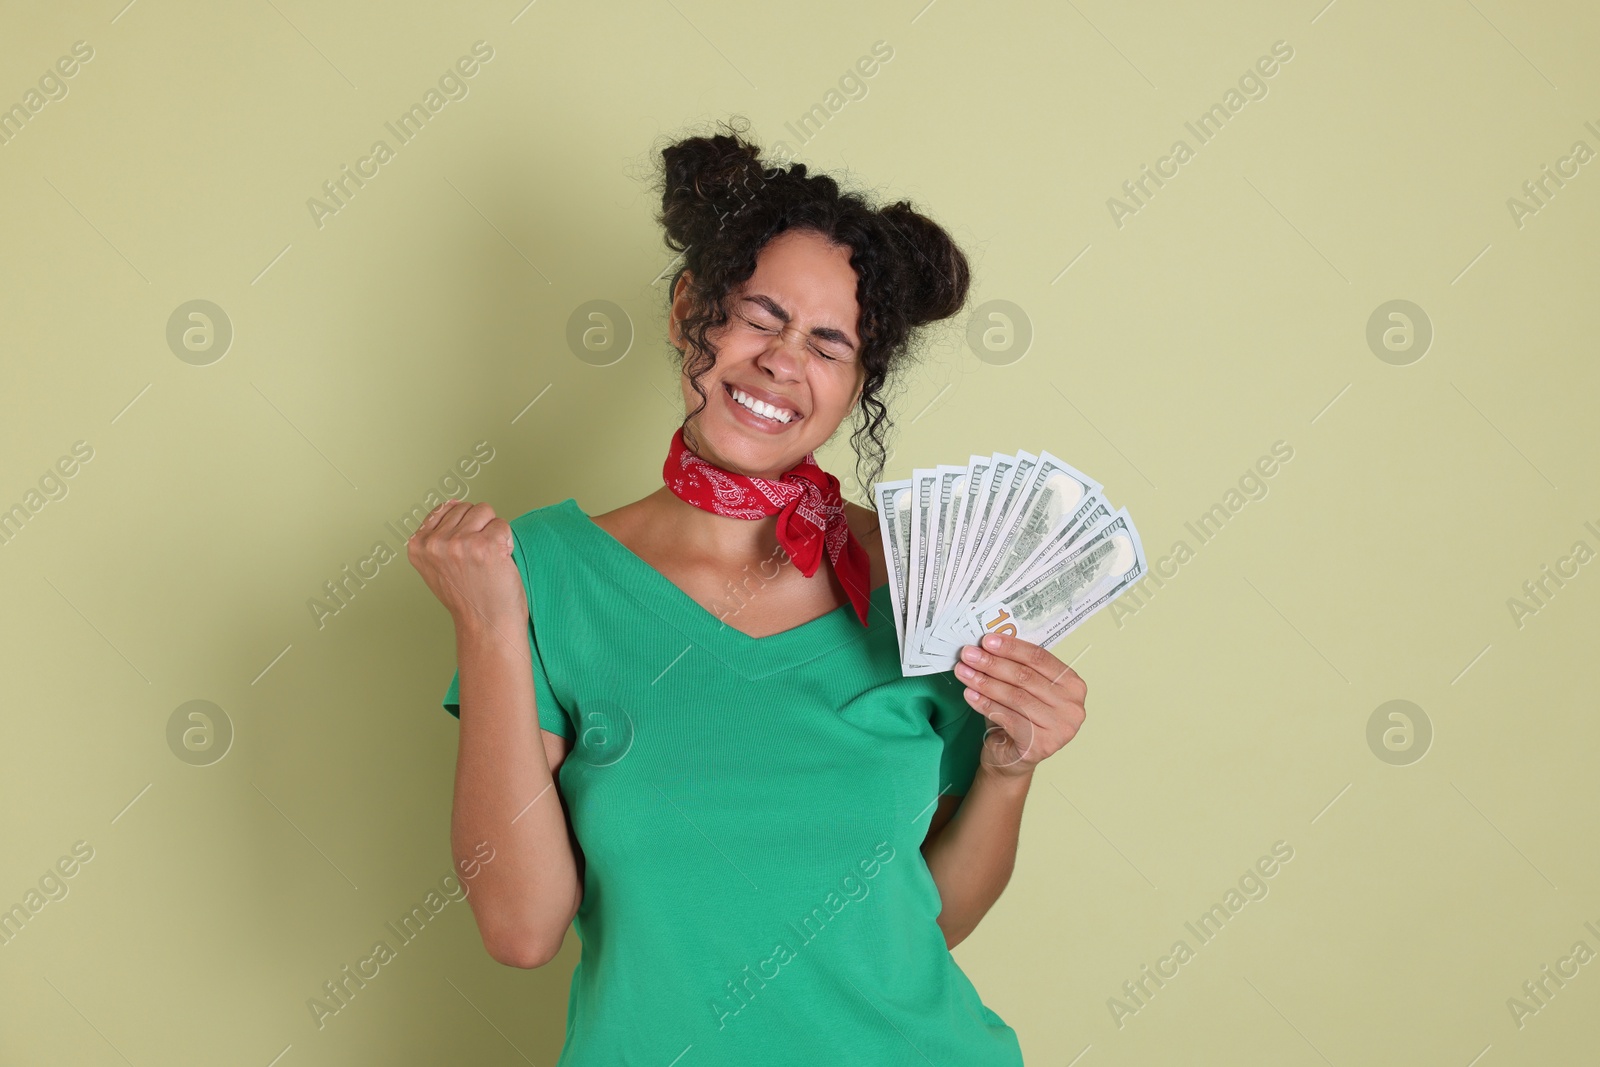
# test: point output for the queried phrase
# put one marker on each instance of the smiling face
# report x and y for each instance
(788, 366)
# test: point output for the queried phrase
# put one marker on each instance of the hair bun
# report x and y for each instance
(937, 279)
(706, 178)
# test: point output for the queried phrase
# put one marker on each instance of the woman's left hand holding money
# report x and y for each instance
(1034, 699)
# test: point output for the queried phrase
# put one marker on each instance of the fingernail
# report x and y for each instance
(992, 642)
(972, 653)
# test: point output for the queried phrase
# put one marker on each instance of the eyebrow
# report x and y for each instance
(825, 333)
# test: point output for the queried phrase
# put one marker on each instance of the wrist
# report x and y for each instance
(475, 627)
(1014, 779)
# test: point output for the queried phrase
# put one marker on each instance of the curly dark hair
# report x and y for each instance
(720, 205)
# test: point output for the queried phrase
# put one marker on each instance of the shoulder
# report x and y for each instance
(549, 546)
(862, 520)
(546, 523)
(864, 524)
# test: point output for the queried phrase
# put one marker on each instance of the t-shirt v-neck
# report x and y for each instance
(753, 657)
(750, 812)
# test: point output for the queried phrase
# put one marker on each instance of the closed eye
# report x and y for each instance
(778, 329)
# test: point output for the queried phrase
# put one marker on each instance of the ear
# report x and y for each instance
(682, 305)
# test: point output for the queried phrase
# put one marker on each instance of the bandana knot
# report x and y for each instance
(806, 499)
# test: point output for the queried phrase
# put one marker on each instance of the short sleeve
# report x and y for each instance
(962, 730)
(552, 715)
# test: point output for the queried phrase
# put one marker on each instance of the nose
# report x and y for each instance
(783, 359)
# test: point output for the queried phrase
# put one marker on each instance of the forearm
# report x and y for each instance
(972, 856)
(505, 795)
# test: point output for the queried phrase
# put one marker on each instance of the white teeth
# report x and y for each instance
(761, 407)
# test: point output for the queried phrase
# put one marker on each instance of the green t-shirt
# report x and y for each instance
(750, 812)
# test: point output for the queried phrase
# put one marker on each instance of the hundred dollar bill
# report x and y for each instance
(1050, 605)
(950, 486)
(1052, 495)
(893, 503)
(1000, 503)
(968, 526)
(1092, 512)
(922, 506)
(1049, 554)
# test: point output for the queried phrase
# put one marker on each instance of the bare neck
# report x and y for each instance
(680, 529)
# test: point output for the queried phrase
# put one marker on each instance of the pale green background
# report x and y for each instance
(1229, 713)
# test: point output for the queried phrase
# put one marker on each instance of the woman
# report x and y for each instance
(768, 837)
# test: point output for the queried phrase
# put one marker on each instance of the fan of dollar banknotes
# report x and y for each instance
(1023, 545)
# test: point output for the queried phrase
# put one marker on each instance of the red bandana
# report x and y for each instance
(805, 498)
